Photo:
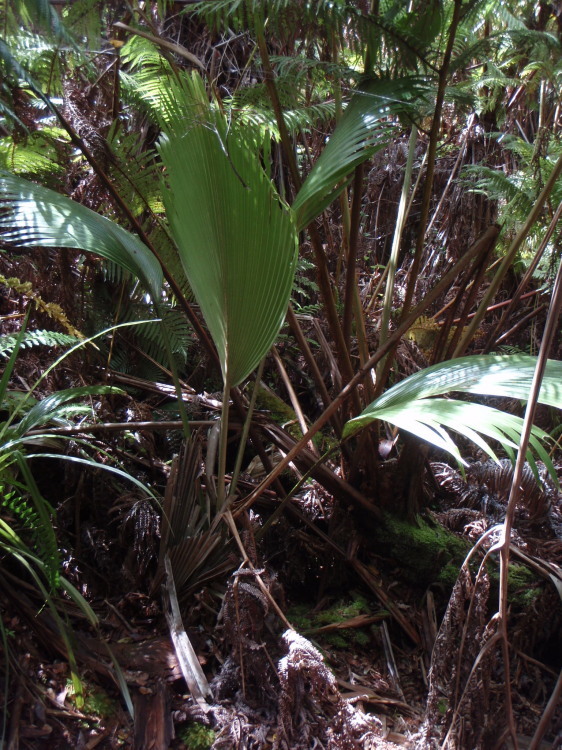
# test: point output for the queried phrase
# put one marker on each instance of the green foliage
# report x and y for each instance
(425, 552)
(338, 612)
(367, 125)
(522, 583)
(36, 216)
(95, 702)
(236, 239)
(305, 291)
(197, 737)
(411, 404)
(35, 338)
(38, 155)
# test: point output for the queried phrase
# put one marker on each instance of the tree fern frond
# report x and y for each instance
(36, 156)
(40, 59)
(134, 172)
(83, 18)
(337, 17)
(36, 338)
(300, 67)
(496, 185)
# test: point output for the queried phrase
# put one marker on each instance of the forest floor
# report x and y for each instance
(354, 672)
(332, 630)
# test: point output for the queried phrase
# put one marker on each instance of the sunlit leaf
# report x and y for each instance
(367, 125)
(236, 239)
(34, 216)
(412, 405)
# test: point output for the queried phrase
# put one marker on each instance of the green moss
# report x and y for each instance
(425, 552)
(522, 586)
(96, 701)
(197, 737)
(340, 611)
(280, 412)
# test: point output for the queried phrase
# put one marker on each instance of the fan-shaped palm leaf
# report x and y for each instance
(410, 404)
(236, 239)
(365, 127)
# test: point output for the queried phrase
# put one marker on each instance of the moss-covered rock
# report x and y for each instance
(425, 552)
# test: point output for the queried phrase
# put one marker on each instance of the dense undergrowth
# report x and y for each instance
(249, 253)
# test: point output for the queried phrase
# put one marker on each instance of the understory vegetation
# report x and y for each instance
(280, 296)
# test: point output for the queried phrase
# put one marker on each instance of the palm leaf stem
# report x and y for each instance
(476, 274)
(310, 361)
(550, 332)
(351, 233)
(223, 446)
(177, 49)
(509, 257)
(431, 153)
(484, 244)
(245, 432)
(348, 389)
(520, 324)
(323, 276)
(351, 264)
(396, 242)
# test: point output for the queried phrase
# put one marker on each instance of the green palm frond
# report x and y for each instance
(57, 406)
(236, 239)
(411, 404)
(34, 216)
(367, 125)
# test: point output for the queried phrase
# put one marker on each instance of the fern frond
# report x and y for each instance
(135, 173)
(36, 156)
(498, 186)
(36, 338)
(15, 504)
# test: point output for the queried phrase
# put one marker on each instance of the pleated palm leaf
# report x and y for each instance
(236, 239)
(367, 125)
(34, 216)
(411, 404)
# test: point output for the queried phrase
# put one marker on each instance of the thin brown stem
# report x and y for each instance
(358, 377)
(351, 264)
(431, 153)
(550, 332)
